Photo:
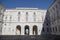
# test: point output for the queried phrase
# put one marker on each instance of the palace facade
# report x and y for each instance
(22, 21)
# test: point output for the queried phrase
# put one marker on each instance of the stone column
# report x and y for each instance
(31, 30)
(22, 30)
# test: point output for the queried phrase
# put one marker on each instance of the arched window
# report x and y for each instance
(35, 30)
(18, 29)
(26, 30)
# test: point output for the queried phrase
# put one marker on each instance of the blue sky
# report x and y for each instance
(43, 4)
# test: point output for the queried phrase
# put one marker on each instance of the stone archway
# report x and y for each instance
(18, 30)
(35, 30)
(26, 30)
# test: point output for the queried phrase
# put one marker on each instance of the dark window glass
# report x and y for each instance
(53, 29)
(50, 30)
(56, 29)
(56, 6)
(53, 8)
(43, 29)
(59, 28)
(47, 24)
(47, 29)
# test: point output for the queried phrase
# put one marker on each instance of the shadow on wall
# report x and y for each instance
(46, 29)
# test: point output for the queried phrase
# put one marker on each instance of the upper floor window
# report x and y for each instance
(5, 24)
(10, 17)
(53, 9)
(43, 29)
(0, 10)
(47, 29)
(34, 16)
(56, 6)
(50, 29)
(47, 24)
(5, 18)
(53, 29)
(18, 16)
(18, 13)
(26, 13)
(26, 16)
(57, 13)
(59, 4)
(56, 29)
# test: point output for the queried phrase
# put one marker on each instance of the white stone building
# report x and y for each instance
(22, 21)
(1, 17)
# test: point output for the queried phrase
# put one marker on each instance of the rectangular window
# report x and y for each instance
(56, 6)
(53, 9)
(0, 11)
(34, 16)
(50, 29)
(43, 29)
(59, 4)
(5, 20)
(58, 14)
(26, 16)
(42, 18)
(59, 28)
(10, 19)
(47, 29)
(55, 29)
(5, 17)
(18, 16)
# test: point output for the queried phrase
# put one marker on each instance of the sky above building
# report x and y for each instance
(43, 4)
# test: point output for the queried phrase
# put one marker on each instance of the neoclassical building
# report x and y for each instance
(54, 12)
(22, 21)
